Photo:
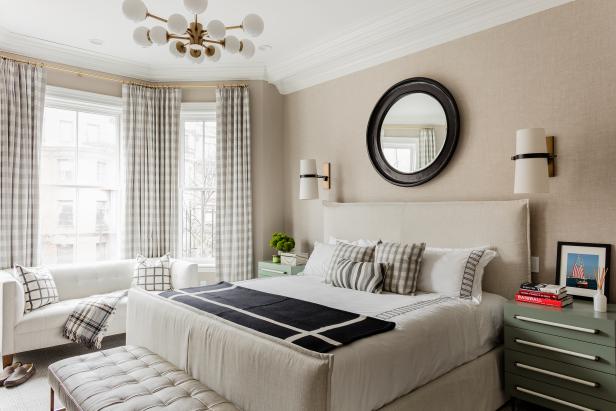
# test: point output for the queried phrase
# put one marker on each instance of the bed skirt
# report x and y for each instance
(214, 351)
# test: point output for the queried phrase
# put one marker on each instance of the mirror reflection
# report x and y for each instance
(413, 132)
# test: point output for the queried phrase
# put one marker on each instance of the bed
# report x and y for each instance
(443, 354)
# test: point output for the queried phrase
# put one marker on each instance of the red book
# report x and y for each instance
(541, 294)
(544, 301)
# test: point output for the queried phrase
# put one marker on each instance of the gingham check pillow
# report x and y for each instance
(153, 274)
(39, 287)
(404, 265)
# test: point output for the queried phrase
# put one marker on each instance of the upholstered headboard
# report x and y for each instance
(503, 225)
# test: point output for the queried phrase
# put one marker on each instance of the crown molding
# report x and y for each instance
(415, 27)
(87, 59)
(406, 31)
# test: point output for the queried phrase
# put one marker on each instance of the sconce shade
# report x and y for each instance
(308, 186)
(531, 174)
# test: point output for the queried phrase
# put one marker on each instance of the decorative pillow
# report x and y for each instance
(153, 274)
(455, 272)
(362, 276)
(404, 266)
(350, 252)
(39, 287)
(319, 260)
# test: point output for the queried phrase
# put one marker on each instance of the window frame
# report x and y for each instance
(92, 103)
(191, 112)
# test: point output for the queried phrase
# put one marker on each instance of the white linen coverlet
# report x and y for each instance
(258, 373)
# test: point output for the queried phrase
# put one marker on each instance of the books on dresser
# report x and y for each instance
(544, 294)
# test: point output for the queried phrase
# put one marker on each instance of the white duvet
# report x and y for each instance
(433, 335)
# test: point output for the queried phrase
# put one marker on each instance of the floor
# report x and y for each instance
(34, 394)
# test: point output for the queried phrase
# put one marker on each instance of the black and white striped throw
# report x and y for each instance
(309, 325)
(88, 322)
(357, 275)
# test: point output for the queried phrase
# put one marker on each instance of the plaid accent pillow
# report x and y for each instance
(39, 287)
(360, 276)
(350, 252)
(153, 274)
(404, 266)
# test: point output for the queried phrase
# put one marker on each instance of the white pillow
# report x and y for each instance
(319, 260)
(360, 242)
(454, 272)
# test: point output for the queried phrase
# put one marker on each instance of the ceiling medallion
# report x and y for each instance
(192, 40)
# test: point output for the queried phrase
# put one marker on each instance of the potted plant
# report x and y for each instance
(282, 243)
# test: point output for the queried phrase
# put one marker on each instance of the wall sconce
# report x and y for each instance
(532, 170)
(308, 186)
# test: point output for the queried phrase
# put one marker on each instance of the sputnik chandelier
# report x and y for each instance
(192, 40)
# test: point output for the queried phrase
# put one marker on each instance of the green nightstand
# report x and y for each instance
(564, 359)
(269, 269)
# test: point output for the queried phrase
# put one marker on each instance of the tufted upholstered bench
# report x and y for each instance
(129, 379)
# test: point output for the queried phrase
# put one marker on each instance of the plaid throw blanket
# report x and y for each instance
(88, 322)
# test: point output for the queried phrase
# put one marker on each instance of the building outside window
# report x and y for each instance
(80, 162)
(198, 177)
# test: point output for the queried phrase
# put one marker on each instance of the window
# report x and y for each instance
(401, 152)
(80, 161)
(198, 178)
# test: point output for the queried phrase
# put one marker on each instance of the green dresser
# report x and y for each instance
(563, 359)
(269, 269)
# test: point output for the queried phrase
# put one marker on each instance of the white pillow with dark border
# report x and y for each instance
(454, 272)
(153, 274)
(38, 286)
(319, 260)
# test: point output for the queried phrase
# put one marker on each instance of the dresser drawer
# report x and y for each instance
(580, 324)
(593, 356)
(553, 397)
(568, 376)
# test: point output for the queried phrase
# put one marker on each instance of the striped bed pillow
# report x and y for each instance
(350, 252)
(404, 266)
(357, 275)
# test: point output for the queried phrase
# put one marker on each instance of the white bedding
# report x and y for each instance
(433, 335)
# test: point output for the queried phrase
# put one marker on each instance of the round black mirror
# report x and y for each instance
(413, 131)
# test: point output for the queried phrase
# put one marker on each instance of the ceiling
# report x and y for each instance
(311, 41)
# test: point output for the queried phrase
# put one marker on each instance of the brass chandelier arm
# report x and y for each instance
(148, 14)
(175, 36)
(213, 42)
(233, 27)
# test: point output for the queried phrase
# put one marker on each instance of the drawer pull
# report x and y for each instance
(557, 375)
(555, 349)
(553, 324)
(269, 270)
(553, 399)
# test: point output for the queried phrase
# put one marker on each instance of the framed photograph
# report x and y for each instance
(577, 265)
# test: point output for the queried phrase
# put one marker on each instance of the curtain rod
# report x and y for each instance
(117, 79)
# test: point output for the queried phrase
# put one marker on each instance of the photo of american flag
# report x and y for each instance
(581, 270)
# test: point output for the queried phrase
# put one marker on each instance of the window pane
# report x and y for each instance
(98, 150)
(97, 220)
(193, 224)
(59, 127)
(194, 172)
(58, 224)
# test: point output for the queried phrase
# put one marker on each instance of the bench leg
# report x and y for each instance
(52, 405)
(7, 360)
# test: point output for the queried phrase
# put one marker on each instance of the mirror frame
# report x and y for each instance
(373, 134)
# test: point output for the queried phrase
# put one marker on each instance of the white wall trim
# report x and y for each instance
(400, 33)
(85, 100)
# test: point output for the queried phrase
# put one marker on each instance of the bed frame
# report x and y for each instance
(214, 350)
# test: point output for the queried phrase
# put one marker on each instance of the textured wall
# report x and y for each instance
(556, 70)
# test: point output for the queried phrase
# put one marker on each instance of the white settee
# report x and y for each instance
(43, 327)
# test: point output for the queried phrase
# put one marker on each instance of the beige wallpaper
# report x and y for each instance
(556, 70)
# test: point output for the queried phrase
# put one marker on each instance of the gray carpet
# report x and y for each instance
(33, 395)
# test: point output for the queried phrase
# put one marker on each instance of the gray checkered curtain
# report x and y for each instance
(427, 147)
(151, 121)
(233, 186)
(22, 97)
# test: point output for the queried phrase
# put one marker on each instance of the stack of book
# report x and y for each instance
(544, 294)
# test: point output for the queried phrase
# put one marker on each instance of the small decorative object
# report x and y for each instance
(192, 39)
(282, 243)
(599, 299)
(579, 266)
(293, 259)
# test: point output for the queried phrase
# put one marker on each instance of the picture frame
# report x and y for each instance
(577, 265)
